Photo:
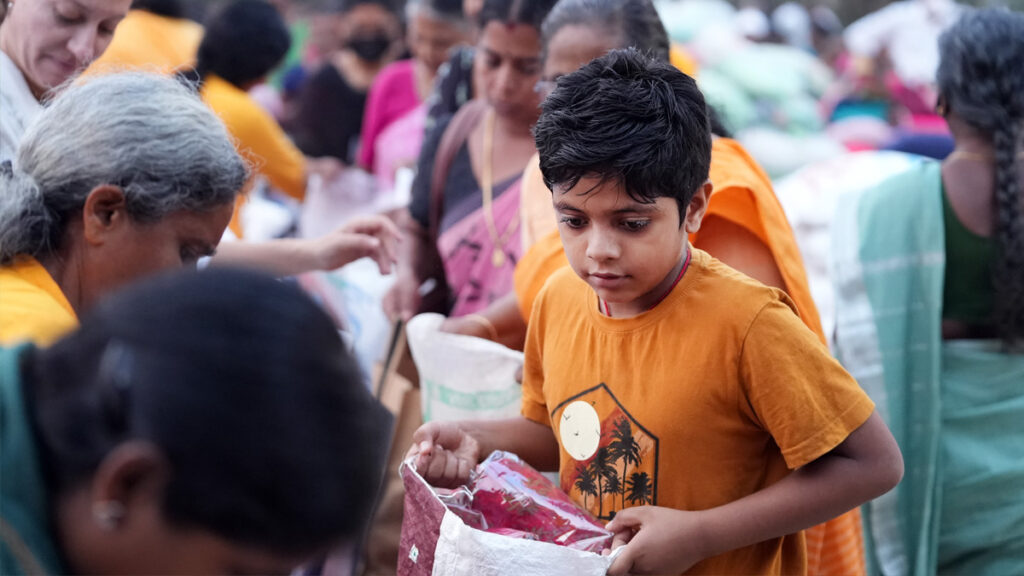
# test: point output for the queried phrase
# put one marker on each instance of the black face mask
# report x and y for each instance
(370, 48)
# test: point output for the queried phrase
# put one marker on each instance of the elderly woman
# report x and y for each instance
(121, 176)
(42, 44)
(197, 424)
(930, 293)
(103, 191)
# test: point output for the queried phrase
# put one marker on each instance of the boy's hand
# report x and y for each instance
(657, 541)
(445, 454)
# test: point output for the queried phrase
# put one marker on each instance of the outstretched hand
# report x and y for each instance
(375, 237)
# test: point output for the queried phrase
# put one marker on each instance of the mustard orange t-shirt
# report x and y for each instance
(32, 306)
(148, 41)
(714, 394)
(259, 139)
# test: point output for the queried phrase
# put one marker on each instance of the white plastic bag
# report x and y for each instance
(462, 377)
(435, 541)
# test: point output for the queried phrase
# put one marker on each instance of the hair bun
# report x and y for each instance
(23, 213)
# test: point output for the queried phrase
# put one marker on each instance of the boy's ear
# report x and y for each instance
(698, 206)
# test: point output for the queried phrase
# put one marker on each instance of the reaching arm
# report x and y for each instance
(660, 540)
(373, 236)
(502, 315)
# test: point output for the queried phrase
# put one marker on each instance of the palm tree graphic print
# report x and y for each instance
(616, 465)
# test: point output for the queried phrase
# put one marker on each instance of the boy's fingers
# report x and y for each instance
(425, 435)
(622, 564)
(626, 519)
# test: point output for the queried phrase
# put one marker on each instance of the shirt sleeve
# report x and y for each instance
(534, 407)
(419, 206)
(795, 389)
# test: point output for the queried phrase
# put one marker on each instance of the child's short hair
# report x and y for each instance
(631, 118)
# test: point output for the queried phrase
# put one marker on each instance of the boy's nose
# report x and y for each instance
(601, 246)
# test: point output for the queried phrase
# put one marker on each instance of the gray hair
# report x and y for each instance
(148, 134)
(634, 23)
(446, 11)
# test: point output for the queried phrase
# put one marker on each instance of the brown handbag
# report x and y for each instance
(455, 135)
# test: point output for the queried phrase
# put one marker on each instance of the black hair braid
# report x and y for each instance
(1009, 267)
(979, 77)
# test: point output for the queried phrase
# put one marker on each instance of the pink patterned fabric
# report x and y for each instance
(467, 251)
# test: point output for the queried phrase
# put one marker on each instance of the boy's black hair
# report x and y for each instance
(630, 118)
(529, 12)
(243, 42)
(243, 383)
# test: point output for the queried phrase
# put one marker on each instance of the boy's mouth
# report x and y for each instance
(606, 280)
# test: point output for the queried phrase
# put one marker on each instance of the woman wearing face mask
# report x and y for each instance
(463, 224)
(329, 117)
(434, 27)
(42, 44)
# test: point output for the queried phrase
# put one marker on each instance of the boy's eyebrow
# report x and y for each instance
(632, 209)
(560, 205)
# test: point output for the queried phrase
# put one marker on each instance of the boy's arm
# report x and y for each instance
(661, 540)
(446, 452)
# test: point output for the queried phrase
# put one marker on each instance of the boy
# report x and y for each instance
(678, 398)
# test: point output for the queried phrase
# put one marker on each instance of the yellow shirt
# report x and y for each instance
(716, 393)
(259, 139)
(144, 40)
(32, 306)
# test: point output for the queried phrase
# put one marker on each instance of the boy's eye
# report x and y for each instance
(635, 225)
(571, 221)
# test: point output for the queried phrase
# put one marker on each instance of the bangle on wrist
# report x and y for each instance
(492, 332)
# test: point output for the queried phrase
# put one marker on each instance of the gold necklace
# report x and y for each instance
(487, 189)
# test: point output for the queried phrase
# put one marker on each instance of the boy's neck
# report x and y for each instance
(657, 294)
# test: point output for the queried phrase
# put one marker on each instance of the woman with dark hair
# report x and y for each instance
(463, 226)
(329, 115)
(195, 424)
(243, 43)
(930, 293)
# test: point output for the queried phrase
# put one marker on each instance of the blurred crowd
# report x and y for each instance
(392, 158)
